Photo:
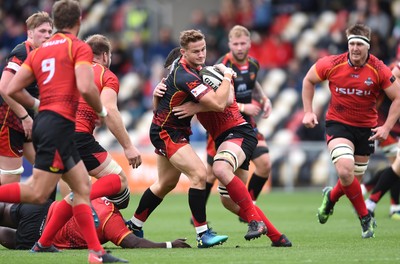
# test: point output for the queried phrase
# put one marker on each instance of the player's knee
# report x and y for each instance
(221, 160)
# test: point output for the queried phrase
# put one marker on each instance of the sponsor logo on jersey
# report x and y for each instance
(354, 76)
(369, 82)
(351, 91)
(252, 76)
(54, 42)
(198, 90)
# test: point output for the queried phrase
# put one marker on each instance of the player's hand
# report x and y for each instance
(267, 108)
(310, 120)
(251, 109)
(132, 154)
(160, 89)
(180, 243)
(185, 110)
(379, 133)
(27, 124)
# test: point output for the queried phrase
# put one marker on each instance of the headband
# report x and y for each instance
(360, 38)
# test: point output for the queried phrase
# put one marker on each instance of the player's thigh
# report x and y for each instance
(29, 152)
(188, 162)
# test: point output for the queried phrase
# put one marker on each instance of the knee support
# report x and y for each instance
(227, 156)
(360, 168)
(341, 151)
(112, 168)
(121, 200)
(222, 191)
(18, 171)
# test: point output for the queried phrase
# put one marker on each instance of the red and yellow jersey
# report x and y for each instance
(354, 90)
(53, 65)
(85, 116)
(112, 227)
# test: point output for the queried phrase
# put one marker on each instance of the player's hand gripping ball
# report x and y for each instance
(211, 76)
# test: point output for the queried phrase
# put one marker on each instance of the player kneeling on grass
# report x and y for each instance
(22, 225)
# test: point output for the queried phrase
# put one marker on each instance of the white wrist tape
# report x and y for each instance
(103, 112)
(169, 244)
(36, 104)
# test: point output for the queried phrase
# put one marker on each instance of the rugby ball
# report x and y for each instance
(211, 76)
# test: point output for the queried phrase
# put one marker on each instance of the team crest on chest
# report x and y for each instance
(368, 81)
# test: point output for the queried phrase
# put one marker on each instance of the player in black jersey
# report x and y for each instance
(15, 120)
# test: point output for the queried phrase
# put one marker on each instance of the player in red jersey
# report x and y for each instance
(112, 180)
(170, 137)
(246, 84)
(15, 120)
(235, 141)
(22, 224)
(62, 67)
(356, 79)
(388, 178)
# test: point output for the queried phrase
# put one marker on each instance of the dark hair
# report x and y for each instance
(99, 44)
(173, 55)
(189, 36)
(359, 29)
(37, 19)
(66, 14)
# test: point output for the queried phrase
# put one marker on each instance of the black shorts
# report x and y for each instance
(91, 152)
(53, 139)
(245, 137)
(29, 219)
(357, 135)
(168, 140)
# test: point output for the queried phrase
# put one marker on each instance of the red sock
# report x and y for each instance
(84, 218)
(105, 186)
(336, 192)
(10, 193)
(353, 192)
(239, 194)
(61, 214)
(272, 232)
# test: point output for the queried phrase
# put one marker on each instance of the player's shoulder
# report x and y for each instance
(253, 61)
(224, 59)
(333, 60)
(376, 63)
(20, 51)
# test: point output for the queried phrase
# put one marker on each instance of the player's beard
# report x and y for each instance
(240, 58)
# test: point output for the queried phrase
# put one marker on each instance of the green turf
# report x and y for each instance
(339, 240)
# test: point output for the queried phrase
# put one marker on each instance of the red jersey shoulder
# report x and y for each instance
(111, 80)
(377, 63)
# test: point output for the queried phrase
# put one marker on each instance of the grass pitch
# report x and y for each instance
(294, 214)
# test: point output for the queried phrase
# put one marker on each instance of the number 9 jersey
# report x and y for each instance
(55, 72)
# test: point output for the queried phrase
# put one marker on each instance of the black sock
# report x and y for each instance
(386, 180)
(197, 204)
(208, 189)
(148, 202)
(256, 184)
(395, 192)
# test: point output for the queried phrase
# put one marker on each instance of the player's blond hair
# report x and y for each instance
(37, 19)
(238, 31)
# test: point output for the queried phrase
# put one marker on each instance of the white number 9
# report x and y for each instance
(48, 65)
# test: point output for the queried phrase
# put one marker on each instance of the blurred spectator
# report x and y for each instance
(159, 50)
(377, 19)
(198, 20)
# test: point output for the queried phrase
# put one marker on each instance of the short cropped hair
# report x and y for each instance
(238, 31)
(66, 14)
(37, 19)
(172, 55)
(359, 29)
(189, 36)
(99, 44)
